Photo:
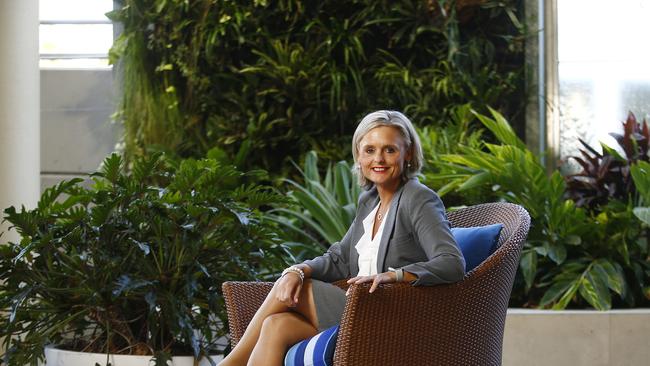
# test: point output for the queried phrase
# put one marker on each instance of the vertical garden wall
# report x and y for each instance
(269, 80)
(262, 83)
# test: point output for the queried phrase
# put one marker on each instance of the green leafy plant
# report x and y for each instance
(322, 210)
(641, 176)
(605, 176)
(572, 256)
(265, 79)
(134, 264)
(438, 142)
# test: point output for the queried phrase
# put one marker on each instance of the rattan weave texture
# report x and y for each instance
(457, 324)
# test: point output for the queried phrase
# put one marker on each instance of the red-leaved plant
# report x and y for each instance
(606, 175)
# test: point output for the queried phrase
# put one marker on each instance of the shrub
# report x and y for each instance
(135, 263)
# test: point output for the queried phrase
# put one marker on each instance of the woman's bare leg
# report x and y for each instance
(241, 353)
(279, 332)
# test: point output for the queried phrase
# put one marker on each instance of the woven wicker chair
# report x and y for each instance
(457, 324)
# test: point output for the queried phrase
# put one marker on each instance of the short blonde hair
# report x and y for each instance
(404, 126)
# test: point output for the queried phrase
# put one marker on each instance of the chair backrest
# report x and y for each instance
(487, 287)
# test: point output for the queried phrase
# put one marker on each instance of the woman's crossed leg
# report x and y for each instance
(274, 328)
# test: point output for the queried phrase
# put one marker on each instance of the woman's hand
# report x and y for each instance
(386, 277)
(287, 289)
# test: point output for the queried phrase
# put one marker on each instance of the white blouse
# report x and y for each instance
(368, 247)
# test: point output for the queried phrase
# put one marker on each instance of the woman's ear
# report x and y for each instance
(409, 154)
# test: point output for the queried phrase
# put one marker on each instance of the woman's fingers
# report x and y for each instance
(296, 294)
(291, 298)
(364, 279)
(381, 278)
(280, 294)
(285, 296)
(376, 281)
(353, 279)
(288, 290)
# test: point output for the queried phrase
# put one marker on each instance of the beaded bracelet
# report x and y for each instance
(295, 270)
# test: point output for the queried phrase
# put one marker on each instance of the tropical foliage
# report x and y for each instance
(322, 209)
(641, 175)
(573, 256)
(268, 79)
(460, 131)
(134, 264)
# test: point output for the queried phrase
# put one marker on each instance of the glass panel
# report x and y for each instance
(75, 39)
(603, 69)
(74, 9)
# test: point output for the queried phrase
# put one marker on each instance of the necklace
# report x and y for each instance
(380, 215)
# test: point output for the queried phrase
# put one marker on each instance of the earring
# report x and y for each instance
(408, 165)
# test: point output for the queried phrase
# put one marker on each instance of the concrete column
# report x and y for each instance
(19, 107)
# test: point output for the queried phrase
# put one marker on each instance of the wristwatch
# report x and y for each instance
(399, 273)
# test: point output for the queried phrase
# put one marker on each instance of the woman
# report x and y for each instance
(400, 233)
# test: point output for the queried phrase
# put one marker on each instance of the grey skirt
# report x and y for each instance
(329, 301)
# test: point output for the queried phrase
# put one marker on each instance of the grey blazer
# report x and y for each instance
(416, 238)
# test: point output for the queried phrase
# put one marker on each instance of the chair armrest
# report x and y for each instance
(242, 301)
(400, 324)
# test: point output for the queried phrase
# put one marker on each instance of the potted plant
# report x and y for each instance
(134, 264)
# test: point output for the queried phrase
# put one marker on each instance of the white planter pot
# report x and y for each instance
(57, 357)
(577, 337)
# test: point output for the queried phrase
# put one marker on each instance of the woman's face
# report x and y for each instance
(382, 155)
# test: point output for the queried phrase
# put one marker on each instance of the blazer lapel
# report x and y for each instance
(389, 225)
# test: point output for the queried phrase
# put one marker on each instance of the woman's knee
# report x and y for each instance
(285, 329)
(274, 323)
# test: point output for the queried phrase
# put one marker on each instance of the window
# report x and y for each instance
(603, 69)
(75, 33)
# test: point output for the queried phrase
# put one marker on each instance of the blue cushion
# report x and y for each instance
(315, 351)
(476, 243)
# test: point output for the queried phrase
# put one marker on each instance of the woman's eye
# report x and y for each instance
(390, 150)
(369, 151)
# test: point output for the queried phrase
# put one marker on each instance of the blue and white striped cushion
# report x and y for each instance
(315, 351)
